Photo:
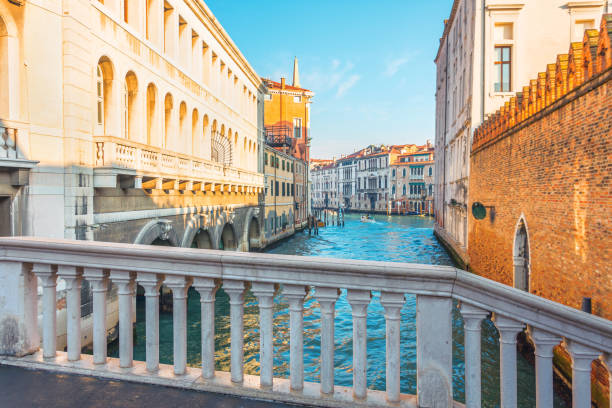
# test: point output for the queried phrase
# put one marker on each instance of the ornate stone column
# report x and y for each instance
(48, 277)
(73, 277)
(359, 301)
(472, 320)
(179, 286)
(544, 345)
(207, 287)
(236, 290)
(98, 278)
(125, 291)
(265, 297)
(393, 303)
(582, 358)
(508, 330)
(327, 300)
(151, 282)
(295, 294)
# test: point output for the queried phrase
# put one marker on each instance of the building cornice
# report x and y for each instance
(505, 6)
(580, 4)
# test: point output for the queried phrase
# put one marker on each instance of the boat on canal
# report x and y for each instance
(367, 218)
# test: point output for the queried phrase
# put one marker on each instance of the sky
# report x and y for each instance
(369, 62)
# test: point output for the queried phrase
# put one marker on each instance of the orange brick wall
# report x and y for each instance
(556, 170)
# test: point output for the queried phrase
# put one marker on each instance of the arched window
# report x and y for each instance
(404, 190)
(393, 173)
(195, 147)
(182, 125)
(393, 190)
(151, 115)
(167, 120)
(100, 96)
(430, 171)
(104, 97)
(404, 172)
(130, 91)
(521, 257)
(206, 139)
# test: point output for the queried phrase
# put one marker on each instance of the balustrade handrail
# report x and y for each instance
(397, 277)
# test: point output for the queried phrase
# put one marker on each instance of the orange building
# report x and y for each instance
(287, 116)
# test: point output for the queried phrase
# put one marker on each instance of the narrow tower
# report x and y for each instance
(296, 73)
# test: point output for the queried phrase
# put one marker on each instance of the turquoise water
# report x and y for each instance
(400, 239)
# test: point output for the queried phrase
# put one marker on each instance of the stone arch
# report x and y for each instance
(182, 126)
(228, 241)
(168, 105)
(105, 75)
(130, 106)
(521, 255)
(157, 230)
(9, 65)
(252, 232)
(151, 114)
(195, 146)
(197, 235)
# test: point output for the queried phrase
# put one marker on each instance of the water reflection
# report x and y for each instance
(402, 239)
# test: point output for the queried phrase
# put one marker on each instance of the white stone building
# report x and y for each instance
(324, 185)
(487, 51)
(373, 174)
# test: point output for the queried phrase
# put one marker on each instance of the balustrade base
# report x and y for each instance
(221, 383)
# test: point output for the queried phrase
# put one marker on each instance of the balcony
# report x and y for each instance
(279, 136)
(127, 164)
(25, 261)
(14, 145)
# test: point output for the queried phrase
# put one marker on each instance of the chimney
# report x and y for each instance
(296, 73)
(282, 83)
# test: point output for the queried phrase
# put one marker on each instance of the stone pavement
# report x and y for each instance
(22, 388)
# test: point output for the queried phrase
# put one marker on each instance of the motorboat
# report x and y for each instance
(367, 218)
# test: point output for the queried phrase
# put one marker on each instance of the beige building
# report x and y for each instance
(489, 49)
(412, 182)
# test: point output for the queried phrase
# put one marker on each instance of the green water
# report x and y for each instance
(399, 239)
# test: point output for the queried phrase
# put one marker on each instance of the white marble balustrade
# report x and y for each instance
(28, 262)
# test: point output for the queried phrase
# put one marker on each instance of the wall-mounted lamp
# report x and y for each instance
(479, 211)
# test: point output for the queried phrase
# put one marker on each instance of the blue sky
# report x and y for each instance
(370, 63)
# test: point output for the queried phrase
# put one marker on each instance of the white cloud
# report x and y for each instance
(347, 84)
(394, 65)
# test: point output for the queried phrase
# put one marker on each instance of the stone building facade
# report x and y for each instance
(488, 50)
(412, 182)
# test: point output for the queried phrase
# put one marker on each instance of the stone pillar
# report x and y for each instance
(19, 312)
(582, 358)
(265, 297)
(207, 287)
(48, 276)
(434, 351)
(236, 290)
(327, 299)
(359, 301)
(295, 295)
(472, 320)
(151, 282)
(508, 330)
(393, 303)
(607, 360)
(180, 286)
(125, 285)
(98, 278)
(544, 345)
(73, 277)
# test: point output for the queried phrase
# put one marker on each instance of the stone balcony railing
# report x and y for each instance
(26, 261)
(124, 163)
(14, 150)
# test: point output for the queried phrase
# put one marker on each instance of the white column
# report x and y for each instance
(151, 282)
(48, 276)
(265, 297)
(607, 360)
(434, 351)
(508, 330)
(327, 299)
(236, 290)
(544, 345)
(125, 285)
(295, 295)
(73, 277)
(207, 287)
(582, 358)
(180, 286)
(472, 320)
(98, 278)
(359, 300)
(393, 303)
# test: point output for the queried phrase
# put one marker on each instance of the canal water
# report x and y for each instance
(398, 239)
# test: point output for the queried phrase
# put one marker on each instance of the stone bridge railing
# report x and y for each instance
(26, 262)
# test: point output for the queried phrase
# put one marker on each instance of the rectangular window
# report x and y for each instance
(297, 128)
(503, 68)
(267, 97)
(276, 187)
(297, 99)
(266, 158)
(283, 189)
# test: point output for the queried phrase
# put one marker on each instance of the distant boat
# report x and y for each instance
(367, 218)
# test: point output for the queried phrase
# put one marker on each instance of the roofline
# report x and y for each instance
(207, 17)
(447, 26)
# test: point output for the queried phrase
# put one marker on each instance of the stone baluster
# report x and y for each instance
(265, 297)
(327, 299)
(48, 276)
(607, 360)
(73, 277)
(472, 320)
(125, 291)
(582, 358)
(179, 286)
(151, 282)
(359, 301)
(207, 287)
(393, 303)
(295, 295)
(98, 278)
(236, 290)
(544, 345)
(508, 330)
